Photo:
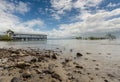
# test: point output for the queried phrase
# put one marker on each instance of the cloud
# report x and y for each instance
(102, 21)
(33, 23)
(56, 16)
(8, 7)
(8, 20)
(22, 7)
(82, 4)
(61, 6)
(113, 5)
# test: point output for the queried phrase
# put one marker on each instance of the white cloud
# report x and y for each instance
(8, 7)
(102, 21)
(113, 5)
(22, 8)
(33, 23)
(56, 16)
(10, 21)
(82, 4)
(61, 6)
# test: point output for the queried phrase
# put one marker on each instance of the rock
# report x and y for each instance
(22, 65)
(40, 59)
(86, 58)
(27, 74)
(47, 72)
(21, 54)
(88, 53)
(34, 60)
(47, 56)
(94, 60)
(67, 60)
(20, 71)
(15, 79)
(54, 56)
(77, 66)
(99, 53)
(71, 78)
(14, 51)
(38, 71)
(108, 53)
(56, 76)
(105, 80)
(79, 55)
(7, 66)
(96, 68)
(71, 50)
(4, 60)
(14, 55)
(110, 75)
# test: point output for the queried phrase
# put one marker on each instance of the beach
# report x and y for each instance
(58, 64)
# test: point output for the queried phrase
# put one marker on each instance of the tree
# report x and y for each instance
(110, 36)
(5, 38)
(79, 37)
(9, 32)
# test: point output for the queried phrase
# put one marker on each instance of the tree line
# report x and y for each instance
(107, 36)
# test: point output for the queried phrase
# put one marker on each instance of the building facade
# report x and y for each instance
(25, 37)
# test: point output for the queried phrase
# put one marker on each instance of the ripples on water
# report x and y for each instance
(77, 45)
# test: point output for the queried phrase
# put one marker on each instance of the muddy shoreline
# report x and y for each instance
(40, 65)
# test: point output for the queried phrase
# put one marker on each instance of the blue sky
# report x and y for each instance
(60, 18)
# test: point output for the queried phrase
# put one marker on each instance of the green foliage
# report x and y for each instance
(107, 36)
(79, 37)
(91, 38)
(5, 38)
(110, 36)
(96, 38)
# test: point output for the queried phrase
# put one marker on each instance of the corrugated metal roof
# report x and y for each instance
(27, 34)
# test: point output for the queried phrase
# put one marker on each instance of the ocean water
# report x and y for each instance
(96, 46)
(89, 45)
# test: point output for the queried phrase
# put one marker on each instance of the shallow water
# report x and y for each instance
(89, 45)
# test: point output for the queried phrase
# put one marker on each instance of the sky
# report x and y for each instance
(61, 18)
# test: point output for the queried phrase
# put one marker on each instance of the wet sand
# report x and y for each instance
(40, 65)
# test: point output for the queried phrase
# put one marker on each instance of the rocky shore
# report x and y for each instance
(35, 65)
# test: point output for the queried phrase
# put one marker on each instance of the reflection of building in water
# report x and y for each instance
(22, 36)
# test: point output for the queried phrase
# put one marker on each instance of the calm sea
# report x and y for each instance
(77, 45)
(99, 48)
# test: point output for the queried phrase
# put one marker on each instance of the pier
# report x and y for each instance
(26, 37)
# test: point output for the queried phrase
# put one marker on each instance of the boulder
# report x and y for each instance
(22, 65)
(54, 56)
(77, 66)
(56, 76)
(47, 71)
(14, 51)
(79, 55)
(15, 79)
(26, 74)
(67, 60)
